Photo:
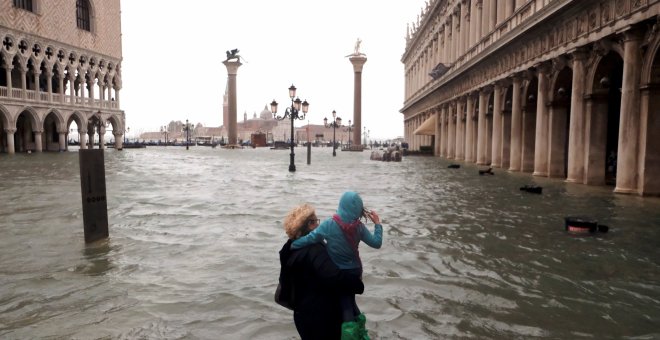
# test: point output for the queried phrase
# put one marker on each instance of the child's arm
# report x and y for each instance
(315, 236)
(374, 240)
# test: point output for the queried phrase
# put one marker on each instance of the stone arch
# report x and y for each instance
(52, 126)
(604, 81)
(27, 125)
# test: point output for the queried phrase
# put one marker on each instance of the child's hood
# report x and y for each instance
(350, 206)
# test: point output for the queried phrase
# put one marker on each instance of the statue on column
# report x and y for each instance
(233, 54)
(357, 52)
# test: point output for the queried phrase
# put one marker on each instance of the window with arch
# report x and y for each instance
(24, 4)
(82, 15)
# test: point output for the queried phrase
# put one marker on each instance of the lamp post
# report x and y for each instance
(163, 131)
(336, 122)
(350, 128)
(292, 113)
(187, 130)
(125, 133)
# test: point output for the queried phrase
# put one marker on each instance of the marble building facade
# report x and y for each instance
(60, 62)
(558, 88)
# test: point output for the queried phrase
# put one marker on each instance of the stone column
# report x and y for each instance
(49, 83)
(497, 127)
(62, 140)
(10, 140)
(576, 140)
(61, 81)
(469, 135)
(451, 133)
(485, 17)
(117, 88)
(520, 3)
(541, 140)
(482, 126)
(37, 73)
(443, 133)
(501, 10)
(102, 136)
(232, 71)
(438, 132)
(516, 127)
(460, 138)
(119, 140)
(358, 63)
(8, 68)
(82, 138)
(508, 8)
(23, 83)
(629, 126)
(478, 21)
(90, 85)
(72, 89)
(38, 144)
(492, 20)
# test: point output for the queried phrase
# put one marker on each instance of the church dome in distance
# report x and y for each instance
(266, 114)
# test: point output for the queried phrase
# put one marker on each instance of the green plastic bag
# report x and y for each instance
(355, 330)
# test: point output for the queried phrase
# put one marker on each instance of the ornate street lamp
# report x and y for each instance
(292, 113)
(164, 132)
(336, 122)
(187, 130)
(349, 129)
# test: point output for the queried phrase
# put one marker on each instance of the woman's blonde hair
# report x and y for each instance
(296, 220)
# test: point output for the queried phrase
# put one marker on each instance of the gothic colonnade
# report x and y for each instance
(45, 87)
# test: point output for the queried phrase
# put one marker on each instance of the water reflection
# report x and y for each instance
(194, 239)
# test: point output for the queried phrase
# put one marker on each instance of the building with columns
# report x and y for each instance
(565, 89)
(60, 62)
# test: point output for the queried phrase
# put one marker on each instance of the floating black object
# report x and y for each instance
(454, 166)
(532, 188)
(486, 172)
(582, 225)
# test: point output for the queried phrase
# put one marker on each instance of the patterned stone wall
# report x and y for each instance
(56, 20)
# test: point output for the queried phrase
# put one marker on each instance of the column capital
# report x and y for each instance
(232, 66)
(579, 53)
(10, 130)
(630, 32)
(358, 62)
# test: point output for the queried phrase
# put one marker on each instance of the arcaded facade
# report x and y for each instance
(60, 62)
(558, 88)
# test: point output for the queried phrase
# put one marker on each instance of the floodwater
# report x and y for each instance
(195, 235)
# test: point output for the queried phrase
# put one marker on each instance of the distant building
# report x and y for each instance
(565, 89)
(60, 62)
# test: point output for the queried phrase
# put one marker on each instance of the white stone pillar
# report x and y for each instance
(91, 84)
(62, 140)
(23, 83)
(516, 127)
(38, 143)
(629, 129)
(49, 83)
(37, 73)
(485, 17)
(443, 134)
(119, 140)
(8, 68)
(541, 140)
(492, 19)
(72, 89)
(576, 140)
(497, 127)
(478, 24)
(61, 81)
(438, 132)
(82, 138)
(460, 138)
(102, 137)
(10, 140)
(482, 126)
(508, 8)
(469, 135)
(451, 133)
(501, 10)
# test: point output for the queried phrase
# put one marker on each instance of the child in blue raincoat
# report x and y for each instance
(343, 233)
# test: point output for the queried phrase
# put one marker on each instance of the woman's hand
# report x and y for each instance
(374, 217)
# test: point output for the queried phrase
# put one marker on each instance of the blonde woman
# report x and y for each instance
(315, 282)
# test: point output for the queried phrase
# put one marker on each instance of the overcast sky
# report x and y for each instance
(173, 52)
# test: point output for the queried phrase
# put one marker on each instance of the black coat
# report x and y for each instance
(317, 284)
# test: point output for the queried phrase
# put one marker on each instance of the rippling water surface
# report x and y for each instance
(195, 235)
